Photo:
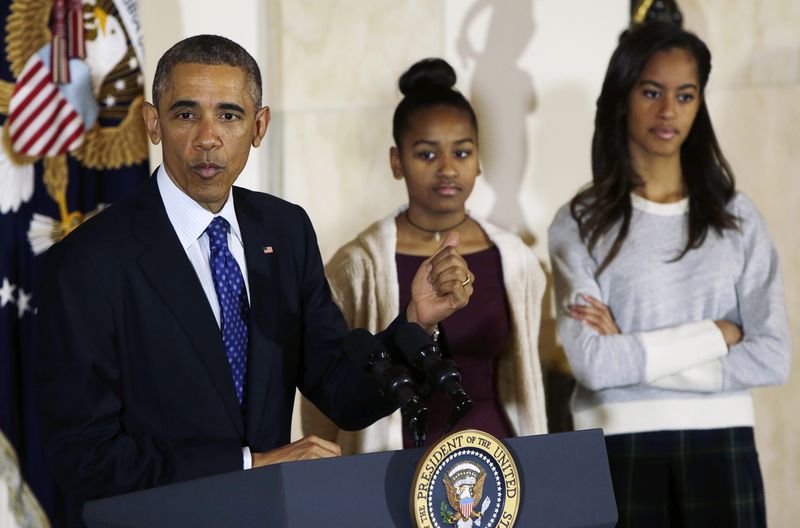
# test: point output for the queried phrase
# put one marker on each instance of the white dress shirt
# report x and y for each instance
(190, 220)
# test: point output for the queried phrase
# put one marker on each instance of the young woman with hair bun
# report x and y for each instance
(494, 339)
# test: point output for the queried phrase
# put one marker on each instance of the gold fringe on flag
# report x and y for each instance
(59, 61)
(77, 40)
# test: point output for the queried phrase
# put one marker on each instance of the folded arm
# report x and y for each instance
(705, 356)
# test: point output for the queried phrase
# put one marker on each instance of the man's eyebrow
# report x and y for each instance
(230, 106)
(184, 103)
(190, 103)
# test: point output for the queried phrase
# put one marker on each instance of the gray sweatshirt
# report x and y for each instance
(670, 368)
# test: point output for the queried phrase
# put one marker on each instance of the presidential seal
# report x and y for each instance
(467, 479)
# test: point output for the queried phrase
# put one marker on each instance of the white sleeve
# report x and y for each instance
(247, 458)
(689, 352)
(705, 377)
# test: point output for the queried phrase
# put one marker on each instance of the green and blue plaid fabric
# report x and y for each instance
(698, 478)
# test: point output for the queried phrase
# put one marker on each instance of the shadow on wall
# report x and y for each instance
(503, 96)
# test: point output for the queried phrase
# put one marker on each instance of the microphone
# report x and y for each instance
(422, 353)
(394, 381)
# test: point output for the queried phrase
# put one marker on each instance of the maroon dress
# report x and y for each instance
(476, 335)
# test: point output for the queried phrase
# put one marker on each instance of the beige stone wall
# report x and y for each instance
(754, 99)
(339, 62)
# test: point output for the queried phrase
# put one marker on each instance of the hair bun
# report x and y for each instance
(427, 74)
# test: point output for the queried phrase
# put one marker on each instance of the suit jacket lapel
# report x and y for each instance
(165, 264)
(263, 272)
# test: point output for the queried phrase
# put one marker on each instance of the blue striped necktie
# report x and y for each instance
(232, 297)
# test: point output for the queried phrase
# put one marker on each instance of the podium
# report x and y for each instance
(565, 482)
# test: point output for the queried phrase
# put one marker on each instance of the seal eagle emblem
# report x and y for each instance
(464, 486)
(468, 479)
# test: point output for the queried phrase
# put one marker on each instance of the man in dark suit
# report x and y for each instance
(176, 325)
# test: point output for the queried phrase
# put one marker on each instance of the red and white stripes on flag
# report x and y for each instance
(41, 122)
(466, 507)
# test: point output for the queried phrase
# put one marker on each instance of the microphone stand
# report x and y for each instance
(416, 416)
(394, 381)
(422, 353)
(461, 406)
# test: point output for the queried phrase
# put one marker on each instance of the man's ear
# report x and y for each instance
(150, 116)
(261, 125)
(396, 163)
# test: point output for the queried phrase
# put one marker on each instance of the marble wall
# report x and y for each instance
(533, 69)
(339, 63)
(754, 100)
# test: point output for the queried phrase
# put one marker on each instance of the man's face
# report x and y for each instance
(206, 122)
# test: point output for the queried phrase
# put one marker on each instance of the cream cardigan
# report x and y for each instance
(363, 277)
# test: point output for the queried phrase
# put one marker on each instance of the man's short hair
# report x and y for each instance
(212, 50)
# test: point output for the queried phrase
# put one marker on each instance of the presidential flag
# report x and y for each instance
(72, 141)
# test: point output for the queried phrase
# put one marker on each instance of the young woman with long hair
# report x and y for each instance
(669, 295)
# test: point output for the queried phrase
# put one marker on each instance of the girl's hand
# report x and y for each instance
(730, 332)
(594, 314)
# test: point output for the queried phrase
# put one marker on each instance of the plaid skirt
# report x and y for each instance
(697, 478)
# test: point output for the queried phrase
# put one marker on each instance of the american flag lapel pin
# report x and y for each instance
(267, 250)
